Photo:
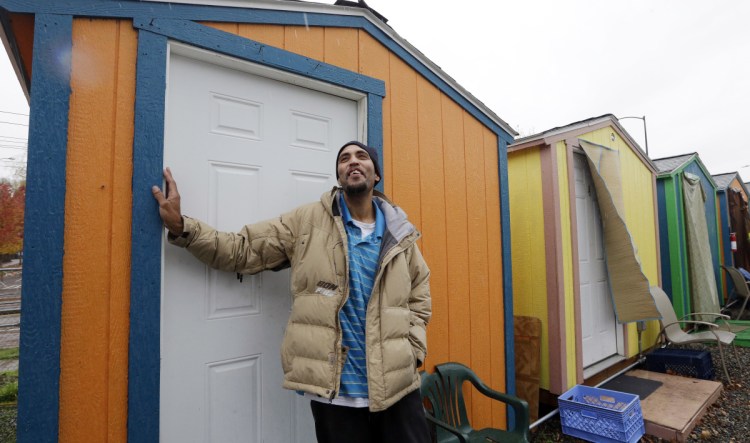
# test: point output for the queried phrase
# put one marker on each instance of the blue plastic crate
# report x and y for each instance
(686, 362)
(601, 415)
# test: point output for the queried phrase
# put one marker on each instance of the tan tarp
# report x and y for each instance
(703, 291)
(630, 287)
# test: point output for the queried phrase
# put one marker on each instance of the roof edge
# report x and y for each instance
(555, 134)
(298, 6)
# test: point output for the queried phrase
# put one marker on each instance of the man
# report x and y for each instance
(357, 331)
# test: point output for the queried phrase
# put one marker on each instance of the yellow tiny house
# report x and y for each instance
(562, 182)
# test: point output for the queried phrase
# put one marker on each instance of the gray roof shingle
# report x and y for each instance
(724, 180)
(669, 164)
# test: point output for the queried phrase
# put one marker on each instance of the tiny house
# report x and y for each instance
(125, 338)
(569, 268)
(734, 224)
(689, 234)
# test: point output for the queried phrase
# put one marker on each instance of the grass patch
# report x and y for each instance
(9, 386)
(9, 354)
(8, 409)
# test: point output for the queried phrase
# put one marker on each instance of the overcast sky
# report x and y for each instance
(684, 64)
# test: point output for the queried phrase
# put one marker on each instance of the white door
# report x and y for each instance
(242, 148)
(599, 326)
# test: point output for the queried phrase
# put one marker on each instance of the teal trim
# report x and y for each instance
(147, 232)
(375, 130)
(510, 353)
(44, 221)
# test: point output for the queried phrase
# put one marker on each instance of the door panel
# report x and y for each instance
(598, 323)
(242, 148)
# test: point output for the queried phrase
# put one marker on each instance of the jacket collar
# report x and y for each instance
(396, 220)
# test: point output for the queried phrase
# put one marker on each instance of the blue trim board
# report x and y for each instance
(39, 384)
(510, 353)
(145, 276)
(375, 129)
(219, 41)
(148, 156)
(130, 9)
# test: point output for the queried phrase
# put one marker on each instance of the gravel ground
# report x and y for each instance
(726, 421)
(7, 424)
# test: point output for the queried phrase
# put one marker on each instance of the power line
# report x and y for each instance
(14, 113)
(11, 123)
(17, 138)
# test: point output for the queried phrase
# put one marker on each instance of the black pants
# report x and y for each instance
(403, 422)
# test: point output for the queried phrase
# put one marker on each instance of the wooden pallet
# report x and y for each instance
(675, 408)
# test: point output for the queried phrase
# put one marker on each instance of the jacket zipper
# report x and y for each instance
(337, 346)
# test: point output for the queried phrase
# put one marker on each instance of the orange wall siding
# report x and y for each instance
(96, 265)
(440, 165)
(433, 182)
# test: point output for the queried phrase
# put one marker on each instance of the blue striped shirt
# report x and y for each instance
(363, 264)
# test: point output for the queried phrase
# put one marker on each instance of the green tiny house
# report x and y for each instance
(732, 197)
(683, 233)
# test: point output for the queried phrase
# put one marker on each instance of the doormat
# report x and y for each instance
(632, 385)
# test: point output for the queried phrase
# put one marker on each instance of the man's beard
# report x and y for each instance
(356, 189)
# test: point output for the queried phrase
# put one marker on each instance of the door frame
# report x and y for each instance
(156, 38)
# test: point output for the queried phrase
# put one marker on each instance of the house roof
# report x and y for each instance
(670, 164)
(341, 8)
(724, 180)
(551, 135)
(566, 128)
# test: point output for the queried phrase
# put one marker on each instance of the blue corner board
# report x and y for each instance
(145, 275)
(510, 353)
(39, 395)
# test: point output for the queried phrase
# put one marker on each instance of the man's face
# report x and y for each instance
(356, 170)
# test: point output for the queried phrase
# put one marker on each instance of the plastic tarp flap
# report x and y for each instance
(631, 296)
(704, 295)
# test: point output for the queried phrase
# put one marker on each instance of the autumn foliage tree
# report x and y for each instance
(11, 217)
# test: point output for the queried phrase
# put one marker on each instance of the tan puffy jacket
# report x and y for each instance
(312, 240)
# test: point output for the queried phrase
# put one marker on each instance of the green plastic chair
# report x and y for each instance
(444, 406)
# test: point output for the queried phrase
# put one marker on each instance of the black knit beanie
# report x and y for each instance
(372, 152)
